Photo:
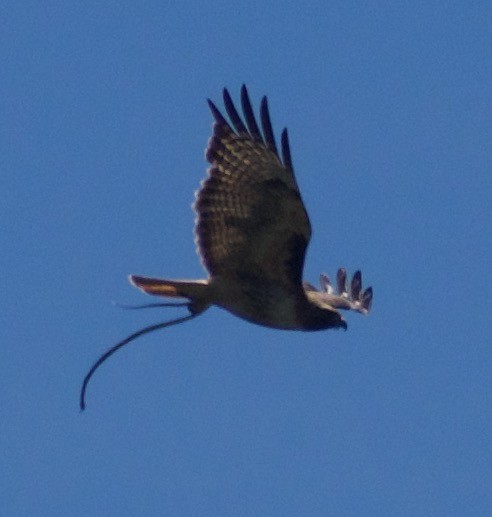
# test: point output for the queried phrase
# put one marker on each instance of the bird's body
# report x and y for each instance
(248, 298)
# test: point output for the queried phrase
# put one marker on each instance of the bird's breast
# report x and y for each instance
(257, 302)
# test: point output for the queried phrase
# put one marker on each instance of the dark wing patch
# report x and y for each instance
(250, 215)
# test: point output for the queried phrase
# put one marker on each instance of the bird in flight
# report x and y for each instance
(251, 232)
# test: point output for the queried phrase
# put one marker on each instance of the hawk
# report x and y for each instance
(251, 232)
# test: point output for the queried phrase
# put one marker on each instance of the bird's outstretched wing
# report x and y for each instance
(251, 221)
(353, 298)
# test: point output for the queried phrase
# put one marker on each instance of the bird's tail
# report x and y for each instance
(196, 291)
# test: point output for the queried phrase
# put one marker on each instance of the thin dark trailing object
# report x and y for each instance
(125, 341)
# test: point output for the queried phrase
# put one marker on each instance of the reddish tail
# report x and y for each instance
(195, 290)
(191, 289)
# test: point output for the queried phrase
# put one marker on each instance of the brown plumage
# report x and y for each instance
(251, 231)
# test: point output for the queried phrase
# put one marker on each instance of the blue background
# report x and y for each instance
(103, 125)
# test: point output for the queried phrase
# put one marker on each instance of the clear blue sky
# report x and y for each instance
(103, 126)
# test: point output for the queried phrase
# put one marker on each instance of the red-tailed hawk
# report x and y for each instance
(252, 231)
